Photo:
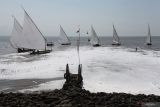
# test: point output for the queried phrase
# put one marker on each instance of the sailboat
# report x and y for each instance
(148, 40)
(16, 39)
(34, 39)
(116, 39)
(64, 40)
(94, 38)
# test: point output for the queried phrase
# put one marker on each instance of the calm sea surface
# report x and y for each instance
(129, 42)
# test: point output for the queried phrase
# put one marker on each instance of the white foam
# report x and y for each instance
(105, 69)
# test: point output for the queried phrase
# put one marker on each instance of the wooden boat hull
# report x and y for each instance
(116, 44)
(19, 50)
(96, 45)
(40, 52)
(50, 44)
(149, 44)
(66, 44)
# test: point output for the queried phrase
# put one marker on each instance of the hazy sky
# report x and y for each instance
(129, 16)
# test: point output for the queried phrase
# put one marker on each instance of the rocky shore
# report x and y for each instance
(71, 95)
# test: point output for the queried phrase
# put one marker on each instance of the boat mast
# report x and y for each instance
(149, 34)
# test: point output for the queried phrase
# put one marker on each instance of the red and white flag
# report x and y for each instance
(78, 30)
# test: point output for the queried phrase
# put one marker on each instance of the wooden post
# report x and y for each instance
(67, 74)
(80, 78)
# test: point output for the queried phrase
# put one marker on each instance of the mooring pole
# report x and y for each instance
(67, 74)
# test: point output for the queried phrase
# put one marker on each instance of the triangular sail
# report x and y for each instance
(148, 40)
(32, 35)
(16, 39)
(94, 38)
(63, 37)
(116, 39)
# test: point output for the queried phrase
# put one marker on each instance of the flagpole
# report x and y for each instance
(78, 43)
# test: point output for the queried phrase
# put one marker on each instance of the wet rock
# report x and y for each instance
(72, 95)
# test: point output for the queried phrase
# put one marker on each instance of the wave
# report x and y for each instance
(105, 69)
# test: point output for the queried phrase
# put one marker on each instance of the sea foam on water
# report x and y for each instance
(105, 69)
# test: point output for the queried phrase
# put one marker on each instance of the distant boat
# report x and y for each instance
(64, 40)
(148, 39)
(50, 44)
(116, 39)
(34, 39)
(94, 40)
(17, 39)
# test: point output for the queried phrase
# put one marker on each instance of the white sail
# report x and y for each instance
(94, 38)
(116, 39)
(148, 40)
(32, 35)
(16, 36)
(63, 37)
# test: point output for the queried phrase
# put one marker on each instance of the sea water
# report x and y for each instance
(107, 68)
(130, 42)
